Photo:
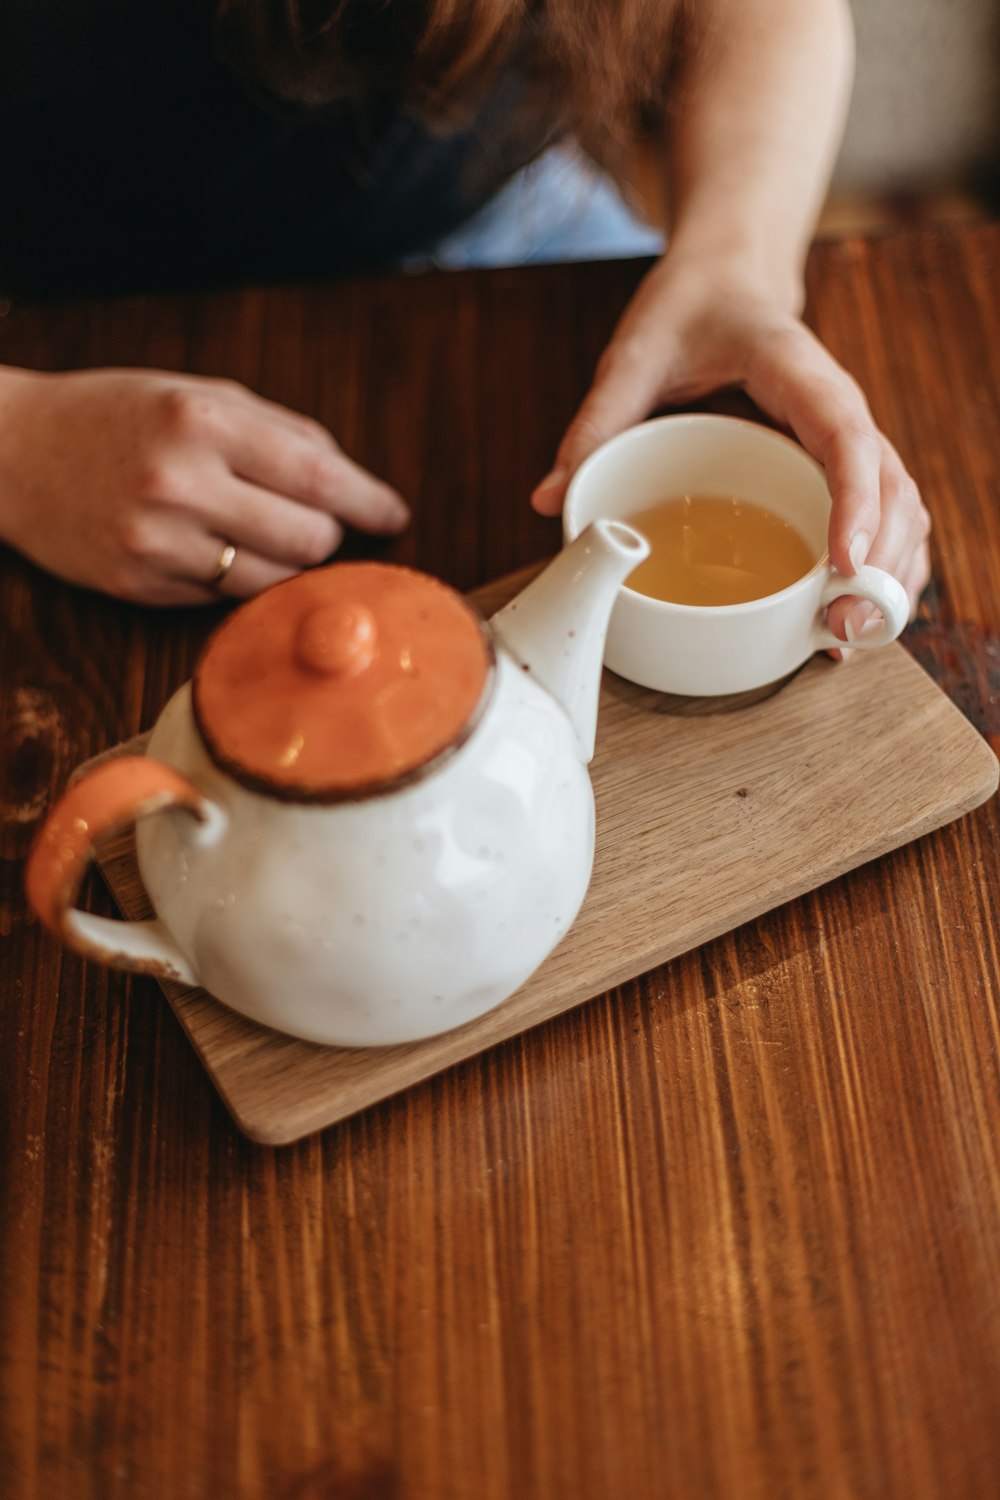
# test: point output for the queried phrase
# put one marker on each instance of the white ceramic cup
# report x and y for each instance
(703, 650)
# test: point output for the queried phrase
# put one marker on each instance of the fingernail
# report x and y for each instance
(859, 549)
(546, 497)
(856, 619)
(551, 481)
(397, 510)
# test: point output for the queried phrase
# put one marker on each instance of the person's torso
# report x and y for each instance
(134, 158)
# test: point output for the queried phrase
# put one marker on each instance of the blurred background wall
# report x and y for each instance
(925, 116)
(923, 136)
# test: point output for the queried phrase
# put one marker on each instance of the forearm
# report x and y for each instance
(14, 502)
(753, 133)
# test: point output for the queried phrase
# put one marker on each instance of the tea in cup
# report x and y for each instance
(734, 592)
(716, 549)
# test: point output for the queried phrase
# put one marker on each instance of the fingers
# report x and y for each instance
(307, 466)
(851, 459)
(288, 533)
(169, 557)
(900, 546)
(625, 388)
(238, 398)
(917, 576)
(793, 378)
(905, 523)
(323, 478)
(271, 483)
(250, 571)
(877, 515)
(250, 574)
(273, 449)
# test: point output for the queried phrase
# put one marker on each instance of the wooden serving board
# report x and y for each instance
(709, 813)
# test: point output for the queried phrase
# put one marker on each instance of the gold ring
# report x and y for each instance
(226, 559)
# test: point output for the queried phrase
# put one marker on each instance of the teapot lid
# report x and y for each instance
(342, 682)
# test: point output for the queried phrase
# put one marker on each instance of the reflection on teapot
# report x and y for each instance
(373, 813)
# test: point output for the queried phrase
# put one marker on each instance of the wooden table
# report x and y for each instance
(730, 1231)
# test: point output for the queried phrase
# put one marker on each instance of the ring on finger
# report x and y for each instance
(226, 559)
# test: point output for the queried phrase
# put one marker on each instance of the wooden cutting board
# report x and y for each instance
(709, 813)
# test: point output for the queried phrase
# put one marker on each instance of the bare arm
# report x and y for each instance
(753, 134)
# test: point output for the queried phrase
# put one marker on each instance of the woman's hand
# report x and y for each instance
(133, 481)
(695, 329)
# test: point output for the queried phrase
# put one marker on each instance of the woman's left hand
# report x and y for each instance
(691, 330)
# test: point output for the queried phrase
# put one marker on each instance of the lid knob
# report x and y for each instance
(336, 640)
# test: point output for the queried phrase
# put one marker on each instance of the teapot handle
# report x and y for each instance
(104, 801)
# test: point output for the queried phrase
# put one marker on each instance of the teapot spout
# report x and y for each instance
(555, 628)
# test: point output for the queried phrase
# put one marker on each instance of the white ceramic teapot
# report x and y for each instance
(374, 818)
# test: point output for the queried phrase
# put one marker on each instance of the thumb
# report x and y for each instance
(624, 391)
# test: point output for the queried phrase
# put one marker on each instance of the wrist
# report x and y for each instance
(736, 265)
(14, 383)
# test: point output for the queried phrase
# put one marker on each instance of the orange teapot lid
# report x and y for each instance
(342, 682)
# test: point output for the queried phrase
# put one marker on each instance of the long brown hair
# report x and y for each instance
(600, 69)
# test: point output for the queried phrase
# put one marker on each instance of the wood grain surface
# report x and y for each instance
(731, 1230)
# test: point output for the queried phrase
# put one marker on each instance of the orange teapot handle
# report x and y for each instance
(104, 801)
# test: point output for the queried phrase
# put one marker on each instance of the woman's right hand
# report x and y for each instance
(133, 481)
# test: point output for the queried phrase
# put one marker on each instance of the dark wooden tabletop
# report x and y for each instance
(730, 1231)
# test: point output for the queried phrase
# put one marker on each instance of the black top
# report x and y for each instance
(134, 159)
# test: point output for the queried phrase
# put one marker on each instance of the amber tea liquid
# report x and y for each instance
(716, 549)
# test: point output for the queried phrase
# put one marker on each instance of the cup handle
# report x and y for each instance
(105, 801)
(880, 589)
